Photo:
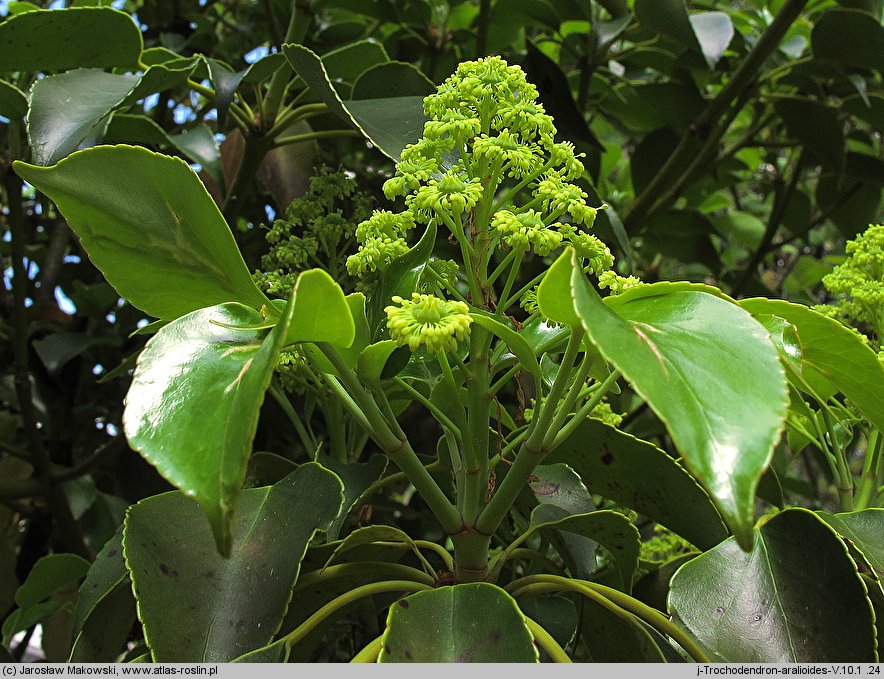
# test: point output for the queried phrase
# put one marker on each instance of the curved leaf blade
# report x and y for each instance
(58, 40)
(161, 223)
(193, 406)
(710, 372)
(758, 607)
(197, 606)
(476, 622)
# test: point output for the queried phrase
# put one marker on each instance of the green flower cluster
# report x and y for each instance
(381, 240)
(858, 284)
(428, 321)
(486, 128)
(317, 230)
(664, 545)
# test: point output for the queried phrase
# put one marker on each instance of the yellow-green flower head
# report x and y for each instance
(426, 320)
(564, 157)
(529, 301)
(459, 126)
(597, 255)
(410, 174)
(375, 253)
(859, 281)
(521, 157)
(617, 283)
(526, 229)
(480, 86)
(385, 224)
(526, 118)
(557, 195)
(454, 193)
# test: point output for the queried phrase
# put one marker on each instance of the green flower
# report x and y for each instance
(859, 283)
(385, 224)
(528, 119)
(426, 320)
(604, 413)
(454, 193)
(522, 157)
(445, 270)
(454, 124)
(564, 157)
(597, 255)
(526, 229)
(557, 195)
(616, 283)
(375, 253)
(410, 174)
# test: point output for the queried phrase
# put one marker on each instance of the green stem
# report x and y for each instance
(398, 449)
(584, 411)
(370, 653)
(441, 417)
(546, 642)
(869, 478)
(510, 280)
(608, 595)
(280, 80)
(397, 571)
(312, 136)
(344, 600)
(284, 403)
(439, 550)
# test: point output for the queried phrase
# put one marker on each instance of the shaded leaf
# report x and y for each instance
(639, 475)
(476, 622)
(839, 28)
(58, 40)
(758, 607)
(374, 82)
(193, 406)
(197, 606)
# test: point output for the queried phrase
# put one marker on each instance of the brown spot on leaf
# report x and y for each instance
(404, 603)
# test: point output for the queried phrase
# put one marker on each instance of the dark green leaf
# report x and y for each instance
(48, 575)
(374, 83)
(556, 614)
(103, 637)
(475, 622)
(610, 638)
(816, 126)
(13, 102)
(865, 530)
(357, 477)
(390, 123)
(197, 606)
(850, 37)
(513, 340)
(759, 607)
(60, 118)
(669, 18)
(225, 82)
(160, 223)
(58, 40)
(639, 475)
(106, 573)
(193, 406)
(199, 145)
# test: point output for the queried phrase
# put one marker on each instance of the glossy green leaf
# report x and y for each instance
(556, 614)
(374, 360)
(831, 353)
(640, 476)
(106, 574)
(225, 83)
(321, 311)
(193, 406)
(199, 145)
(475, 622)
(390, 123)
(759, 607)
(49, 574)
(59, 118)
(160, 223)
(345, 64)
(368, 535)
(513, 340)
(13, 102)
(865, 529)
(197, 606)
(58, 40)
(103, 636)
(669, 18)
(839, 28)
(709, 371)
